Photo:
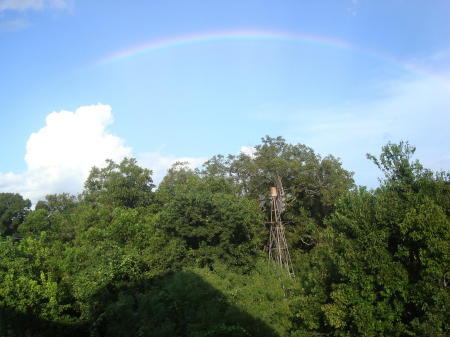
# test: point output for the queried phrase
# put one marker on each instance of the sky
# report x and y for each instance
(82, 81)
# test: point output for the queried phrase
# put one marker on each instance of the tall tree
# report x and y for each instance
(213, 223)
(13, 209)
(125, 184)
(383, 260)
(57, 202)
(312, 183)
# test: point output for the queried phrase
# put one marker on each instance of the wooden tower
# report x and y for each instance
(278, 248)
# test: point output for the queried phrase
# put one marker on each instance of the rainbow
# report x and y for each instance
(236, 35)
(259, 35)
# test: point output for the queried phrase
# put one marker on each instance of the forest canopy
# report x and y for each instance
(187, 257)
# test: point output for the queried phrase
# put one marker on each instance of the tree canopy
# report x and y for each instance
(188, 257)
(13, 209)
(125, 184)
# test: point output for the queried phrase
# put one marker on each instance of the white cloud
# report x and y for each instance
(20, 5)
(159, 164)
(60, 155)
(353, 8)
(417, 110)
(23, 5)
(13, 25)
(248, 150)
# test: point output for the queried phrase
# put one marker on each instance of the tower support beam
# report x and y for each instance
(278, 248)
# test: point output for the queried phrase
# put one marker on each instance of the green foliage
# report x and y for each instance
(35, 222)
(125, 184)
(312, 184)
(176, 177)
(32, 292)
(188, 259)
(384, 257)
(212, 224)
(395, 162)
(13, 209)
(57, 203)
(185, 303)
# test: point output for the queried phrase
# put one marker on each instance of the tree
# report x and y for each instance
(175, 177)
(125, 184)
(383, 259)
(395, 162)
(312, 183)
(13, 209)
(57, 203)
(214, 225)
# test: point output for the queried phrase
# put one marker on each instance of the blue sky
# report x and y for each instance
(206, 77)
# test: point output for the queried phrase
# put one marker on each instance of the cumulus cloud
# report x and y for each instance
(60, 155)
(23, 5)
